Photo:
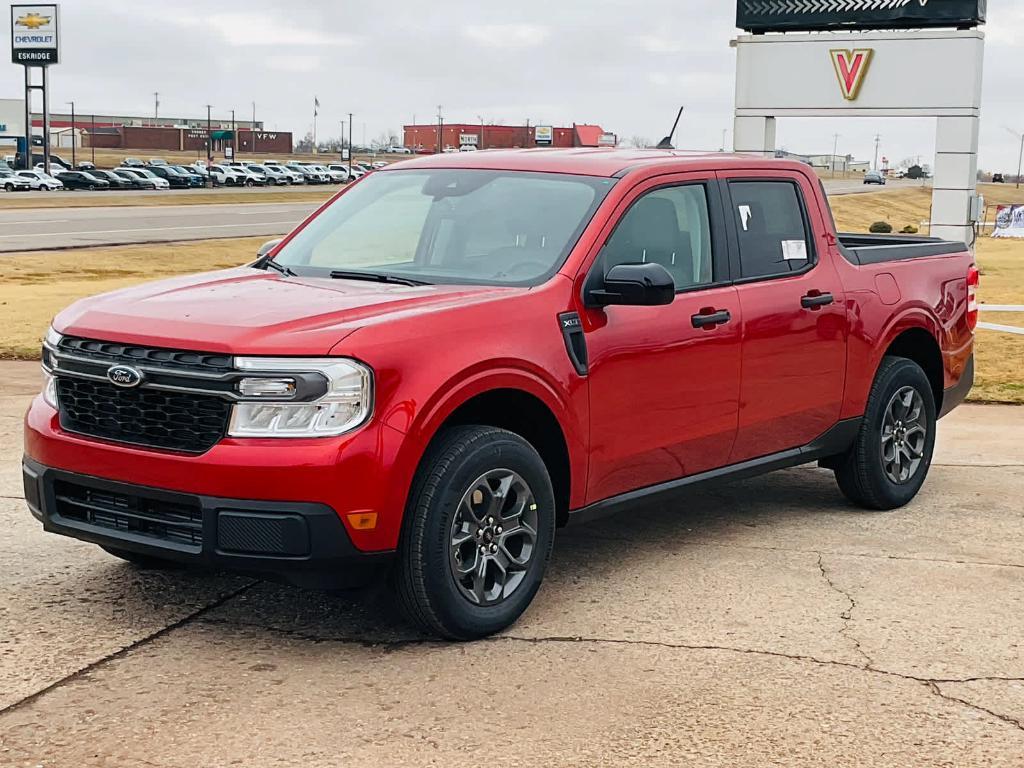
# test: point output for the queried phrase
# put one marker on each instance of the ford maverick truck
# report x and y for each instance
(459, 354)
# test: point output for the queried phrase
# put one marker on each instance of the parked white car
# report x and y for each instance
(271, 174)
(41, 180)
(250, 178)
(11, 181)
(397, 151)
(142, 173)
(225, 174)
(294, 177)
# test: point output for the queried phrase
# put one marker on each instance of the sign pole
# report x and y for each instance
(46, 121)
(27, 158)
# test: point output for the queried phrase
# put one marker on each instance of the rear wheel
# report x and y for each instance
(9, 187)
(889, 460)
(479, 533)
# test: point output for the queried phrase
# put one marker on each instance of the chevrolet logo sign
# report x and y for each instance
(32, 21)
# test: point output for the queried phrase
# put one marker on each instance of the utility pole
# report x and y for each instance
(440, 129)
(233, 145)
(481, 118)
(341, 154)
(92, 139)
(73, 163)
(209, 145)
(878, 140)
(252, 129)
(835, 149)
(351, 149)
(156, 106)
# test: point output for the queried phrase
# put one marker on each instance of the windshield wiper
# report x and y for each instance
(271, 264)
(377, 277)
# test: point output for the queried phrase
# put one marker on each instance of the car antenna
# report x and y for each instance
(666, 143)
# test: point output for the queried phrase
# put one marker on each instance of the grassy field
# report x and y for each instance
(35, 286)
(179, 197)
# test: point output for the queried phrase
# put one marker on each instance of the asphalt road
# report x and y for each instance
(765, 623)
(36, 229)
(44, 228)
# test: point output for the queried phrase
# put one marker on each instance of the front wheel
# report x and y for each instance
(889, 460)
(478, 536)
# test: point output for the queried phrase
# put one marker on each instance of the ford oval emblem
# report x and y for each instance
(124, 376)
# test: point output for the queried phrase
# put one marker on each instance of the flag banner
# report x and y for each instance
(1009, 221)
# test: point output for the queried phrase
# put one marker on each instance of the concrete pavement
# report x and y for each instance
(762, 623)
(44, 228)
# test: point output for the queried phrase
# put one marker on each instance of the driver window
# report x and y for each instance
(668, 226)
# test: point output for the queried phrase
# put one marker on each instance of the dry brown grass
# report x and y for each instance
(35, 286)
(1000, 360)
(116, 200)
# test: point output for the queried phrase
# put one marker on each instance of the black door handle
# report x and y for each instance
(815, 299)
(711, 318)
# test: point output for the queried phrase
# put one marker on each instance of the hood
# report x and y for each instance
(249, 311)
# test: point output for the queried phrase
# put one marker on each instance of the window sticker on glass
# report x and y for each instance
(745, 214)
(794, 250)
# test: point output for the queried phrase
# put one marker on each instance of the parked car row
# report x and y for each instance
(158, 174)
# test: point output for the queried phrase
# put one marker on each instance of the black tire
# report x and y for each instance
(424, 580)
(145, 562)
(9, 187)
(92, 187)
(249, 182)
(862, 473)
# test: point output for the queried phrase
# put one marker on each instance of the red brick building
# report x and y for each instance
(423, 138)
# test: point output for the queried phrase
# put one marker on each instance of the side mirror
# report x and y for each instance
(634, 285)
(267, 247)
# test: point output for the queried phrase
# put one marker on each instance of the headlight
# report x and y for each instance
(347, 403)
(49, 382)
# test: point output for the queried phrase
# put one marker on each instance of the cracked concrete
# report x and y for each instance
(765, 623)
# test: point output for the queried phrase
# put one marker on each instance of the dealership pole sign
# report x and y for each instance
(35, 41)
(815, 15)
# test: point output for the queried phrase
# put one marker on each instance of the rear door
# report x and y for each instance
(664, 380)
(794, 315)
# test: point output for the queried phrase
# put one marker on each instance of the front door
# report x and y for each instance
(664, 381)
(794, 314)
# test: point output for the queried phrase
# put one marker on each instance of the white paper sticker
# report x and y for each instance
(745, 214)
(794, 250)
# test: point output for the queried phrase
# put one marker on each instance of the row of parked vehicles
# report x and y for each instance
(159, 174)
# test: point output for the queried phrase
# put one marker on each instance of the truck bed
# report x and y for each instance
(875, 249)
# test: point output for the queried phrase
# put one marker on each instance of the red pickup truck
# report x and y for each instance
(458, 354)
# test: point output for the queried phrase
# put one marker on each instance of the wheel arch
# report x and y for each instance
(919, 345)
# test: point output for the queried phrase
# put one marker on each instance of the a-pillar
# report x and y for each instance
(956, 177)
(754, 135)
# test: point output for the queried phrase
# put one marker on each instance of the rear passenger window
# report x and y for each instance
(772, 231)
(668, 226)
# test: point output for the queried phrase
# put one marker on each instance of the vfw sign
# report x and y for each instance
(851, 69)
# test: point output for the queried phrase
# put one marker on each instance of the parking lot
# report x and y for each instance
(761, 623)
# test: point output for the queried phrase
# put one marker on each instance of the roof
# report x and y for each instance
(589, 135)
(597, 161)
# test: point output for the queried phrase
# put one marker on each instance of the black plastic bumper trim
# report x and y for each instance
(315, 551)
(956, 394)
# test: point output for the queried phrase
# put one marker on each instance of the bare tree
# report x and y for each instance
(641, 142)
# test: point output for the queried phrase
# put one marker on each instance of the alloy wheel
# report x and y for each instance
(493, 537)
(904, 435)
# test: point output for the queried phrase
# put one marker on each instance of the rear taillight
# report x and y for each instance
(973, 278)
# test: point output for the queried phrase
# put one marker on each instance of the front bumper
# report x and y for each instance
(299, 543)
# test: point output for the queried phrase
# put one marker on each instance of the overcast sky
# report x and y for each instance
(626, 65)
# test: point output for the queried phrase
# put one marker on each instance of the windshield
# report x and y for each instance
(450, 226)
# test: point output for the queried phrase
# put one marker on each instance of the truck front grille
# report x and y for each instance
(111, 353)
(189, 422)
(172, 521)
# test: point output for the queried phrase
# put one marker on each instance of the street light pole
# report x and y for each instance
(440, 129)
(878, 140)
(92, 139)
(481, 131)
(835, 149)
(234, 146)
(351, 149)
(73, 163)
